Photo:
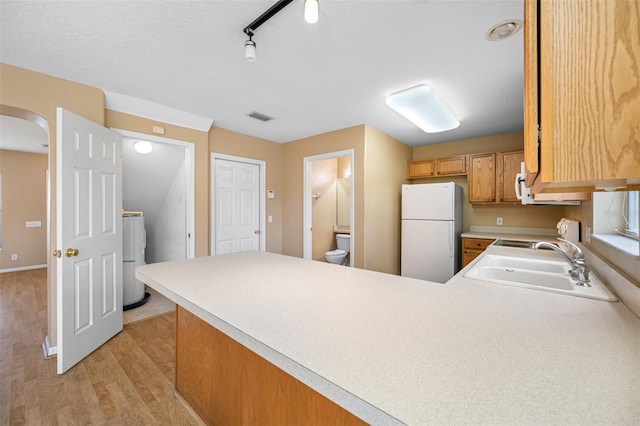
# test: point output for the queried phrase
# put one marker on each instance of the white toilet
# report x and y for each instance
(339, 256)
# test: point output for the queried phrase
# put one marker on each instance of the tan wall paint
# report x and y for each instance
(513, 215)
(293, 182)
(120, 120)
(24, 198)
(324, 175)
(385, 162)
(223, 141)
(35, 96)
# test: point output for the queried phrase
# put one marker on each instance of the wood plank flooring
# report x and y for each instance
(127, 381)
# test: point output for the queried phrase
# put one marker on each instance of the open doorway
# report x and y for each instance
(328, 208)
(24, 157)
(160, 184)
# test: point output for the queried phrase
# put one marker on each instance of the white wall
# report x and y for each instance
(170, 228)
(155, 184)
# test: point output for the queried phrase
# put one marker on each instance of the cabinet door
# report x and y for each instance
(589, 91)
(452, 166)
(509, 167)
(531, 91)
(418, 169)
(472, 248)
(482, 178)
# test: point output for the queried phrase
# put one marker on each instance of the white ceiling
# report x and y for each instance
(22, 135)
(311, 78)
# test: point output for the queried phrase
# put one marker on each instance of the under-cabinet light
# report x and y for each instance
(424, 108)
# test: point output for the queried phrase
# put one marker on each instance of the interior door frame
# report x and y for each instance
(189, 162)
(262, 167)
(307, 208)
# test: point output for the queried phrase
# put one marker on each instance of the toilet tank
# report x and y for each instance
(344, 242)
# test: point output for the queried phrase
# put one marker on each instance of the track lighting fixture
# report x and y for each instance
(250, 50)
(310, 15)
(311, 11)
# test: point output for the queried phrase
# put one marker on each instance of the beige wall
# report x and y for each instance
(532, 216)
(324, 175)
(293, 182)
(385, 172)
(120, 120)
(24, 198)
(35, 96)
(223, 141)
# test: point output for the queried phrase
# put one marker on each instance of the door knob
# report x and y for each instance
(70, 252)
(257, 232)
(57, 253)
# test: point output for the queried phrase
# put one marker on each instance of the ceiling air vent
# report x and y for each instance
(259, 116)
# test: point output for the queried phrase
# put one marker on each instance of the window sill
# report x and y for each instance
(626, 246)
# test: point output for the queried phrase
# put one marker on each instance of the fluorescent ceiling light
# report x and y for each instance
(424, 108)
(143, 147)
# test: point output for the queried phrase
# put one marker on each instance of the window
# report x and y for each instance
(631, 214)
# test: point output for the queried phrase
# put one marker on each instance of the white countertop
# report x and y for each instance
(398, 350)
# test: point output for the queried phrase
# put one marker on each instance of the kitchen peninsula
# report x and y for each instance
(393, 350)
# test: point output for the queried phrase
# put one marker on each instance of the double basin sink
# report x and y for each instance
(516, 264)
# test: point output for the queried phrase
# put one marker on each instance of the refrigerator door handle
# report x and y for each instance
(451, 232)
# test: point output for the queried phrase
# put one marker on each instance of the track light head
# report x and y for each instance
(311, 11)
(250, 50)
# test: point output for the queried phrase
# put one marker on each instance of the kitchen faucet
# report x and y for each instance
(579, 269)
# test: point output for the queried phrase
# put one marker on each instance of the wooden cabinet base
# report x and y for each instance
(227, 384)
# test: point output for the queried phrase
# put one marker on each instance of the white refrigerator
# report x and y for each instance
(134, 243)
(431, 228)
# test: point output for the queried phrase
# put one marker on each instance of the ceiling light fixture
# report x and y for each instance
(424, 108)
(310, 15)
(143, 147)
(503, 30)
(250, 50)
(311, 9)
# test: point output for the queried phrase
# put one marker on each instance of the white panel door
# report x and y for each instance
(428, 249)
(237, 206)
(89, 240)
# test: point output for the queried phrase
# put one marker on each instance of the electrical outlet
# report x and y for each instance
(499, 221)
(588, 232)
(270, 219)
(14, 257)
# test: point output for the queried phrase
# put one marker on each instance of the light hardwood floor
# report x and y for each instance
(127, 381)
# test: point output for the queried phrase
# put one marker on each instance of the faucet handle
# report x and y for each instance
(577, 251)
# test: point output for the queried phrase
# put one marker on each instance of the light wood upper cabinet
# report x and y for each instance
(482, 178)
(419, 169)
(507, 169)
(586, 97)
(492, 177)
(452, 166)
